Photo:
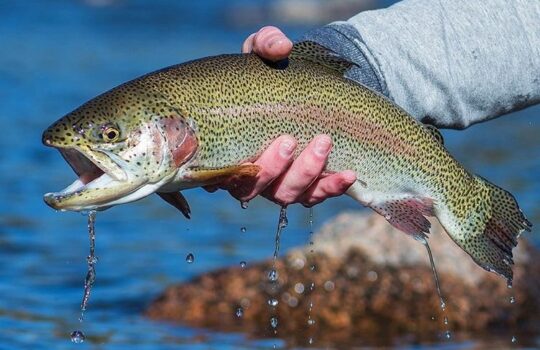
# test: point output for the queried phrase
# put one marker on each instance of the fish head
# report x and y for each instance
(122, 148)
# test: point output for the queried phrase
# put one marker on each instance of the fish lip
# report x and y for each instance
(90, 171)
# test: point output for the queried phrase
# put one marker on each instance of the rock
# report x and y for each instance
(370, 282)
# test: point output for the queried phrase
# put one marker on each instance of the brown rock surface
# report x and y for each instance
(370, 281)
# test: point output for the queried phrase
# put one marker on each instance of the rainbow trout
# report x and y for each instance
(198, 123)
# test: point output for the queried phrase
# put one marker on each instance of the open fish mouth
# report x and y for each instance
(100, 182)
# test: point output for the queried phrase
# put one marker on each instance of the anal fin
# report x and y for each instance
(177, 200)
(408, 214)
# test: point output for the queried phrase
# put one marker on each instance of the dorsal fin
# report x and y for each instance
(435, 133)
(310, 51)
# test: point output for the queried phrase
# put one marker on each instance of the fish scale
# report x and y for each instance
(197, 123)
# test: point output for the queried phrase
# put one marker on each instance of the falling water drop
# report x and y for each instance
(312, 268)
(273, 302)
(91, 261)
(77, 337)
(514, 339)
(239, 312)
(282, 223)
(512, 299)
(244, 204)
(243, 229)
(423, 240)
(243, 264)
(447, 334)
(273, 275)
(190, 258)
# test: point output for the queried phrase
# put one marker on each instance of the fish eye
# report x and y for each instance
(110, 134)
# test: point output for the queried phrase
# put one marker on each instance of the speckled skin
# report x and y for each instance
(235, 105)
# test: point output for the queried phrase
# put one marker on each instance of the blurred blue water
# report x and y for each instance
(54, 56)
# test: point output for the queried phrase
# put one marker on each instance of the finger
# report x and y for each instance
(270, 43)
(302, 173)
(330, 186)
(247, 46)
(274, 161)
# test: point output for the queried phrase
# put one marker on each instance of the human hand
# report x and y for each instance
(269, 42)
(282, 179)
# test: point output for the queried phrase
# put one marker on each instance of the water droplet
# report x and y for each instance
(311, 322)
(190, 258)
(239, 312)
(447, 335)
(92, 260)
(433, 318)
(243, 264)
(311, 340)
(312, 267)
(372, 276)
(273, 275)
(509, 284)
(293, 301)
(299, 288)
(77, 337)
(445, 320)
(274, 322)
(243, 229)
(273, 302)
(514, 339)
(244, 204)
(512, 300)
(329, 286)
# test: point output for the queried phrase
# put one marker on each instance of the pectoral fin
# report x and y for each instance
(211, 176)
(177, 200)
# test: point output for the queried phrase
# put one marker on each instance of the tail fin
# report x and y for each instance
(488, 227)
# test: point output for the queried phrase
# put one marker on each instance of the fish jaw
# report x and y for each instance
(101, 183)
(109, 174)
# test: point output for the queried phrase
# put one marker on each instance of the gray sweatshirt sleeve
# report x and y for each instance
(451, 63)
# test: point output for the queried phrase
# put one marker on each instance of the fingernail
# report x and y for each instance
(322, 146)
(286, 148)
(274, 43)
